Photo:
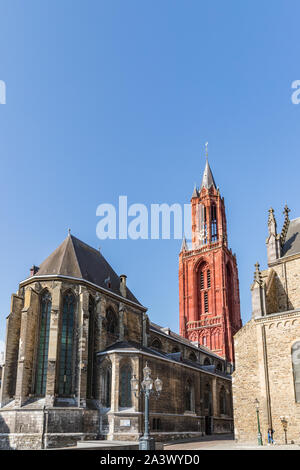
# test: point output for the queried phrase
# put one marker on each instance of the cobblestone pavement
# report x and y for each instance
(224, 442)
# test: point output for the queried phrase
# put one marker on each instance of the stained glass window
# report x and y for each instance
(66, 346)
(125, 387)
(111, 322)
(43, 345)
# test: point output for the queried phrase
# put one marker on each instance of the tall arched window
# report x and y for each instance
(90, 370)
(105, 385)
(43, 344)
(204, 286)
(207, 398)
(222, 398)
(66, 346)
(125, 387)
(214, 225)
(189, 396)
(296, 369)
(111, 322)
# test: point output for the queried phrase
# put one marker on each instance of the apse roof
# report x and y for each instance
(75, 258)
(292, 239)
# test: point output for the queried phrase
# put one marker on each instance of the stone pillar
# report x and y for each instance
(215, 397)
(9, 372)
(29, 322)
(121, 321)
(115, 361)
(83, 330)
(53, 344)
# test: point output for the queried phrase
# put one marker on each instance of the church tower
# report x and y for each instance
(209, 303)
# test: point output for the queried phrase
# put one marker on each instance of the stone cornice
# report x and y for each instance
(49, 277)
(278, 316)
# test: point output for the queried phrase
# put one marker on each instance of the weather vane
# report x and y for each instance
(206, 149)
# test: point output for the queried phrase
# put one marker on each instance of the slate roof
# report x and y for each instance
(75, 258)
(208, 179)
(292, 239)
(130, 345)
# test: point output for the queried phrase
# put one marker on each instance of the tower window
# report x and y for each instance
(201, 280)
(205, 302)
(208, 278)
(214, 227)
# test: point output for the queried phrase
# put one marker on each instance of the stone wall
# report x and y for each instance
(270, 380)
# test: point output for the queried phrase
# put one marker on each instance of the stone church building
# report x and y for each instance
(76, 336)
(267, 348)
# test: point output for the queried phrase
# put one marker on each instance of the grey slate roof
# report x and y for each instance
(208, 179)
(77, 259)
(292, 239)
(129, 345)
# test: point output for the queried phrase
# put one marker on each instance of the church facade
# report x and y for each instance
(76, 336)
(266, 380)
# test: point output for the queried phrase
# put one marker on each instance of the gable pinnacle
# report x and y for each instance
(257, 274)
(285, 225)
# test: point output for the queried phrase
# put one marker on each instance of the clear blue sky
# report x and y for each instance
(109, 98)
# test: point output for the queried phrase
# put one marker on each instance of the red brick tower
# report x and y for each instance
(209, 303)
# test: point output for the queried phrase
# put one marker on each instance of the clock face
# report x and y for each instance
(296, 353)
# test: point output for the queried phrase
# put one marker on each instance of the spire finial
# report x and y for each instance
(69, 231)
(206, 150)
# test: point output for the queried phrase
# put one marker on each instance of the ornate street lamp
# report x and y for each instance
(146, 442)
(284, 423)
(259, 436)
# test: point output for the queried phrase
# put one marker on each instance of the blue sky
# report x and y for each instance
(109, 98)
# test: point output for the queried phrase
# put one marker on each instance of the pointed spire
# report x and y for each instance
(195, 192)
(184, 246)
(208, 179)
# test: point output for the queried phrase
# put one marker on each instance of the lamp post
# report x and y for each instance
(146, 441)
(259, 436)
(284, 423)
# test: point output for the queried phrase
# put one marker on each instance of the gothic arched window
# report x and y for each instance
(111, 322)
(156, 344)
(66, 345)
(206, 362)
(189, 396)
(222, 398)
(105, 385)
(214, 225)
(203, 224)
(192, 357)
(296, 369)
(43, 344)
(207, 398)
(125, 387)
